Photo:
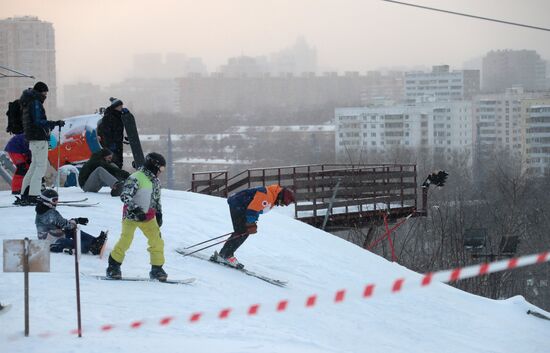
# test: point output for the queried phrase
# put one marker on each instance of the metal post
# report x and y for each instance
(26, 270)
(58, 155)
(77, 277)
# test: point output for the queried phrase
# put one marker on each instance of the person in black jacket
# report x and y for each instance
(37, 132)
(100, 171)
(111, 130)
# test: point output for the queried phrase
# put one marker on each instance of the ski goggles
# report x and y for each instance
(52, 200)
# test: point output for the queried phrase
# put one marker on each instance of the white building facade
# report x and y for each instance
(536, 136)
(442, 128)
(441, 85)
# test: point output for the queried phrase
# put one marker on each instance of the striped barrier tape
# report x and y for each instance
(364, 292)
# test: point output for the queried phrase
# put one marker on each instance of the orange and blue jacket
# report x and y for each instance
(255, 201)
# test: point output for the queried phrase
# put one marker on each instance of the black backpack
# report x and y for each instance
(15, 118)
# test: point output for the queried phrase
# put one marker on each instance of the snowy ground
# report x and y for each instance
(435, 319)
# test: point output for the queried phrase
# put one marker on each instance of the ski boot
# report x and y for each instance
(98, 243)
(113, 270)
(158, 273)
(230, 261)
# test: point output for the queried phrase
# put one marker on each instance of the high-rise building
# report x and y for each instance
(297, 59)
(27, 45)
(444, 128)
(536, 135)
(498, 120)
(504, 69)
(441, 85)
(83, 98)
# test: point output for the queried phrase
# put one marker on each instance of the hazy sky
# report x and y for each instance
(95, 39)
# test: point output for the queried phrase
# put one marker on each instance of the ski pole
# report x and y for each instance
(216, 243)
(58, 155)
(206, 241)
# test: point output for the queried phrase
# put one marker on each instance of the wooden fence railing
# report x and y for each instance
(361, 188)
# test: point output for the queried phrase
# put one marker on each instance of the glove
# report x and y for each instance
(158, 215)
(60, 123)
(140, 215)
(81, 220)
(251, 228)
(125, 111)
(126, 141)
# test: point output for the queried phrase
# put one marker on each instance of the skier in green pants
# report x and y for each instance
(142, 209)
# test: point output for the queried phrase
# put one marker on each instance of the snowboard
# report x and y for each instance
(133, 137)
(264, 278)
(144, 279)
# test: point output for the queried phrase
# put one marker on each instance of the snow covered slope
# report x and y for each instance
(435, 319)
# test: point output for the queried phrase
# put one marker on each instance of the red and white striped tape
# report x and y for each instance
(365, 292)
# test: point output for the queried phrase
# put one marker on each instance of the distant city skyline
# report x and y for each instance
(348, 35)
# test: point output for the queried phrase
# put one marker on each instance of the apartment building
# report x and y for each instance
(441, 85)
(27, 45)
(536, 135)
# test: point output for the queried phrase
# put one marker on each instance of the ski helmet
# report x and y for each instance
(49, 197)
(154, 162)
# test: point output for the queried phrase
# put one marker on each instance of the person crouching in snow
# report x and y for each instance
(50, 225)
(142, 209)
(245, 208)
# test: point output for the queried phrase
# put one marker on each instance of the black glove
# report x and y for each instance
(60, 123)
(140, 215)
(252, 228)
(125, 140)
(158, 215)
(81, 220)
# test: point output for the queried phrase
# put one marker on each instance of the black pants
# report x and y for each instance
(86, 241)
(238, 217)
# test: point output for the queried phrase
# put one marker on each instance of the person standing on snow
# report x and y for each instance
(37, 132)
(51, 226)
(245, 208)
(20, 155)
(142, 209)
(111, 130)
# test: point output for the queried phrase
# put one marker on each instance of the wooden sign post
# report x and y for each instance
(26, 256)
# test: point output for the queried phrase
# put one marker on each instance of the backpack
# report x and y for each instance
(15, 118)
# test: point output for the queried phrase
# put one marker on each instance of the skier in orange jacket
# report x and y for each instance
(246, 207)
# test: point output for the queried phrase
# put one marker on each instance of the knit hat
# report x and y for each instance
(115, 102)
(40, 87)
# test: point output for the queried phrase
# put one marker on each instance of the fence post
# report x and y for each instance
(402, 191)
(226, 184)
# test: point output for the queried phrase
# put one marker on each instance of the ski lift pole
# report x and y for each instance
(58, 155)
(206, 241)
(216, 243)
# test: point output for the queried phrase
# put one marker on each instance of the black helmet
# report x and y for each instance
(154, 161)
(49, 197)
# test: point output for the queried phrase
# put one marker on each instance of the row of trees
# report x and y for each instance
(494, 195)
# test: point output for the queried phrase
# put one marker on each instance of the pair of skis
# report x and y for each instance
(68, 203)
(270, 280)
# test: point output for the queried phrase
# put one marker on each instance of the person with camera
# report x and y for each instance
(37, 129)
